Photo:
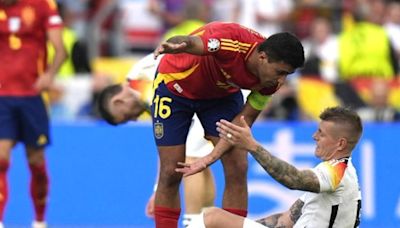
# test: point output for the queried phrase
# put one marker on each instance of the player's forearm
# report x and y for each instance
(270, 221)
(59, 58)
(285, 173)
(194, 45)
(220, 148)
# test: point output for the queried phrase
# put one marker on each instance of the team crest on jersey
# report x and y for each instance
(3, 15)
(28, 16)
(158, 130)
(213, 45)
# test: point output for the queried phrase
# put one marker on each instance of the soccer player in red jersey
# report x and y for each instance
(25, 28)
(203, 73)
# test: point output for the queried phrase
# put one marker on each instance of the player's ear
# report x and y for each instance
(262, 55)
(118, 102)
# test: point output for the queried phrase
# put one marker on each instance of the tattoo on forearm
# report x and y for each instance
(285, 173)
(295, 211)
(270, 221)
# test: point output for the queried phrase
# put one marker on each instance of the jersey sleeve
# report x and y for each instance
(225, 40)
(51, 16)
(330, 174)
(144, 69)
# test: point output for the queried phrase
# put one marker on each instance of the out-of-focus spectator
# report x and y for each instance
(224, 10)
(77, 61)
(392, 26)
(364, 51)
(378, 108)
(266, 17)
(195, 13)
(170, 12)
(321, 51)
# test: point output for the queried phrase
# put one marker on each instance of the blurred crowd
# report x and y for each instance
(352, 50)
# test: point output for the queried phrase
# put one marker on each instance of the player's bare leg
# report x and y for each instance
(5, 151)
(235, 170)
(199, 192)
(167, 201)
(39, 185)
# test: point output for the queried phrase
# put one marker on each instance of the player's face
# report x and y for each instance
(327, 140)
(273, 74)
(126, 105)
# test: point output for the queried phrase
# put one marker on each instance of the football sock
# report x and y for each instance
(236, 211)
(193, 220)
(4, 164)
(166, 217)
(39, 189)
(187, 219)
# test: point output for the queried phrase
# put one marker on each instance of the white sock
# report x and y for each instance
(193, 220)
(37, 224)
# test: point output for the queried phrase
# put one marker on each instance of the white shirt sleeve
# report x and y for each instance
(330, 174)
(144, 69)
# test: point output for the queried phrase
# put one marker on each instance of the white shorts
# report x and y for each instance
(248, 223)
(196, 145)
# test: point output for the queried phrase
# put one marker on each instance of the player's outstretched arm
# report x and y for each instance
(180, 44)
(285, 173)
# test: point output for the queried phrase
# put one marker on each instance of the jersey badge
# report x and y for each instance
(28, 16)
(213, 45)
(158, 130)
(3, 15)
(42, 140)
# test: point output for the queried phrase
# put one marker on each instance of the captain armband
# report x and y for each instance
(257, 100)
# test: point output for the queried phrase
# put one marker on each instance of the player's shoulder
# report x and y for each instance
(41, 4)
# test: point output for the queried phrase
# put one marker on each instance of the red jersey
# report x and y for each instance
(220, 71)
(23, 27)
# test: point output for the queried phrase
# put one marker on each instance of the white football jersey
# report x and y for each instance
(339, 202)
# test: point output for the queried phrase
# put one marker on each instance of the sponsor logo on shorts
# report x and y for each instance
(158, 130)
(213, 45)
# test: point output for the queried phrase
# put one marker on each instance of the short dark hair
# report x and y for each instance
(345, 116)
(103, 101)
(284, 47)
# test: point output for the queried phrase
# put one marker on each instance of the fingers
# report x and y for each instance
(243, 122)
(224, 127)
(183, 164)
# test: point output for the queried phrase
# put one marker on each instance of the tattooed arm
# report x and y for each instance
(283, 172)
(286, 219)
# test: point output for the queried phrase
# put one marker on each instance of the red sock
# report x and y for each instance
(166, 217)
(4, 164)
(39, 189)
(236, 211)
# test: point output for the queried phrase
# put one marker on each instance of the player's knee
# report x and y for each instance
(169, 179)
(4, 165)
(210, 216)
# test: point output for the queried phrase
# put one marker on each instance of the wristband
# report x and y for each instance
(257, 100)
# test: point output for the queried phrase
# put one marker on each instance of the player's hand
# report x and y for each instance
(171, 48)
(237, 135)
(44, 82)
(150, 206)
(190, 169)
